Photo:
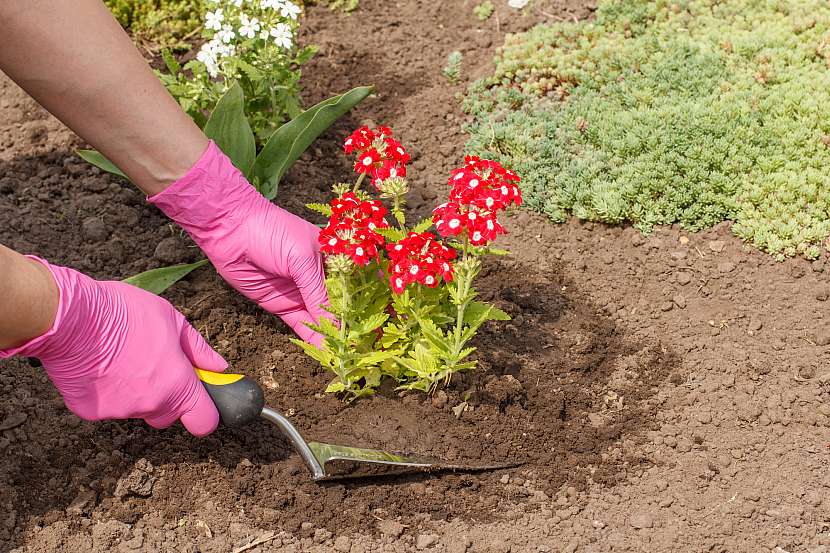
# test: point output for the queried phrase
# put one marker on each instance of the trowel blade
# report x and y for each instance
(341, 462)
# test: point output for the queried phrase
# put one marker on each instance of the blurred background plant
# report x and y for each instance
(249, 42)
(690, 112)
(157, 24)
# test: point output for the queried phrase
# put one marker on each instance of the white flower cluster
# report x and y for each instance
(229, 23)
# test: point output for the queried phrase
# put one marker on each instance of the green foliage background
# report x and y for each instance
(163, 23)
(659, 112)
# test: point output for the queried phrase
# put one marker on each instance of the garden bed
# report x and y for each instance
(663, 391)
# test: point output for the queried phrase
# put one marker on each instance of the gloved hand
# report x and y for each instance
(270, 255)
(118, 352)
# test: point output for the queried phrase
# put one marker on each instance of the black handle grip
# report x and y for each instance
(238, 399)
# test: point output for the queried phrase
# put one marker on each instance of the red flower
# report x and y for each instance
(366, 161)
(419, 258)
(387, 169)
(479, 191)
(351, 228)
(359, 140)
(378, 154)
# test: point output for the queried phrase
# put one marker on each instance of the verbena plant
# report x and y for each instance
(690, 112)
(404, 296)
(249, 42)
(228, 126)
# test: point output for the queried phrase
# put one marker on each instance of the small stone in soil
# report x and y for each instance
(717, 245)
(683, 278)
(391, 528)
(823, 337)
(321, 535)
(641, 520)
(755, 325)
(726, 267)
(343, 544)
(424, 541)
(169, 250)
(680, 301)
(666, 306)
(439, 400)
(94, 229)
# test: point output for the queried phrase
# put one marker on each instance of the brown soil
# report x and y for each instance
(664, 395)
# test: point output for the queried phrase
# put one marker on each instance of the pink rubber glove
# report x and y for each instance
(270, 255)
(118, 352)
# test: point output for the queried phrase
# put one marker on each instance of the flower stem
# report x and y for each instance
(359, 181)
(464, 283)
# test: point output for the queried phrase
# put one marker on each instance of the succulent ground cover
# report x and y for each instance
(690, 112)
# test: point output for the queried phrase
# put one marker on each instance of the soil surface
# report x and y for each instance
(664, 393)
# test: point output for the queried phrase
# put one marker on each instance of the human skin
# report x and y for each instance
(30, 299)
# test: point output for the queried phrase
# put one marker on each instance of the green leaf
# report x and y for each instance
(391, 234)
(376, 358)
(98, 160)
(322, 209)
(423, 226)
(229, 128)
(320, 355)
(478, 312)
(159, 280)
(368, 325)
(289, 142)
(335, 387)
(173, 66)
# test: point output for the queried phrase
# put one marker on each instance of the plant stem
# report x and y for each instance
(344, 331)
(359, 182)
(398, 213)
(463, 291)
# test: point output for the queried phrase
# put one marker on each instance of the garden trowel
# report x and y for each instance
(240, 401)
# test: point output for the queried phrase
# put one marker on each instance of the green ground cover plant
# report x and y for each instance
(659, 112)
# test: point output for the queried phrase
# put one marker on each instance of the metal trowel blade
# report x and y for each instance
(345, 462)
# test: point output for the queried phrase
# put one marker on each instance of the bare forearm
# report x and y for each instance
(76, 61)
(29, 299)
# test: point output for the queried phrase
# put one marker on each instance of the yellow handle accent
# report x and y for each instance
(218, 379)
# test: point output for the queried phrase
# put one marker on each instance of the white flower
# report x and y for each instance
(209, 56)
(283, 35)
(248, 27)
(227, 34)
(237, 3)
(213, 20)
(289, 9)
(269, 4)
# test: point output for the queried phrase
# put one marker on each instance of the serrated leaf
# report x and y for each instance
(423, 226)
(370, 324)
(376, 357)
(433, 335)
(478, 312)
(391, 234)
(320, 355)
(98, 160)
(322, 209)
(159, 280)
(288, 142)
(229, 128)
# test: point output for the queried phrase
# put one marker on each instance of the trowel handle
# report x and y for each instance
(238, 398)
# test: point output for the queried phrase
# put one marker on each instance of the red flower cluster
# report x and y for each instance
(419, 258)
(351, 228)
(480, 190)
(378, 154)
